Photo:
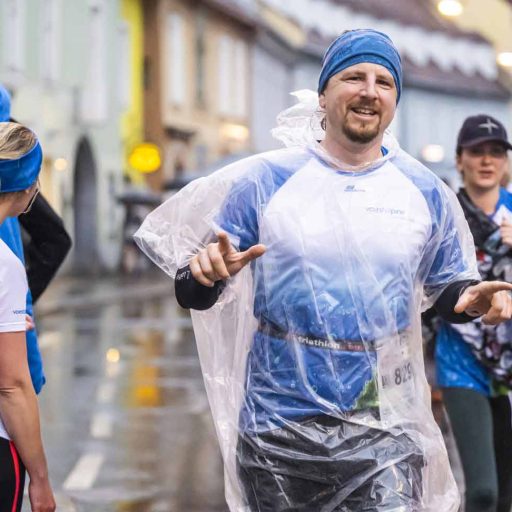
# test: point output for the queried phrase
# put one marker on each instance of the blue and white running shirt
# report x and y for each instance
(348, 255)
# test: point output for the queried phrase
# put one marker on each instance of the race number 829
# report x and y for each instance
(399, 376)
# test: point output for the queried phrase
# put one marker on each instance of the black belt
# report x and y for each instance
(314, 341)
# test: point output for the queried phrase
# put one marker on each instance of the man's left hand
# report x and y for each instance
(491, 299)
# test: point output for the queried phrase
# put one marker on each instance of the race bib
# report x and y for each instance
(396, 377)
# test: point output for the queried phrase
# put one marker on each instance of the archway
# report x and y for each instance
(85, 202)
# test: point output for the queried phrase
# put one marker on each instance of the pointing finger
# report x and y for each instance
(492, 286)
(252, 253)
(225, 246)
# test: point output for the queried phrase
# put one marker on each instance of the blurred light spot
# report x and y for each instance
(450, 7)
(505, 59)
(113, 355)
(60, 164)
(145, 158)
(147, 396)
(433, 153)
(236, 132)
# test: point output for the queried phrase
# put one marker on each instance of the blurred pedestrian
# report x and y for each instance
(334, 247)
(474, 360)
(48, 244)
(21, 446)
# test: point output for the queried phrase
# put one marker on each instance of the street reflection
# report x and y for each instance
(126, 419)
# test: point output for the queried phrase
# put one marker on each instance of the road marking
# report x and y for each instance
(84, 473)
(101, 425)
(106, 392)
(174, 335)
(112, 370)
(47, 339)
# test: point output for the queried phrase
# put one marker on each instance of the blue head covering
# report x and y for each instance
(5, 104)
(357, 46)
(21, 173)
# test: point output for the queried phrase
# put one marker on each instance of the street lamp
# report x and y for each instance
(60, 164)
(433, 153)
(450, 8)
(505, 59)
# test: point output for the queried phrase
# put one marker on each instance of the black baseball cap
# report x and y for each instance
(482, 128)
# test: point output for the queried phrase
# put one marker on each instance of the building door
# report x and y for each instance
(85, 210)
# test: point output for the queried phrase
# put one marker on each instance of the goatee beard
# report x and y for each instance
(361, 136)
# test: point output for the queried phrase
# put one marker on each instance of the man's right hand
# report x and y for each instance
(221, 260)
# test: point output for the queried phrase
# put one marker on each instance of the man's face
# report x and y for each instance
(483, 166)
(359, 102)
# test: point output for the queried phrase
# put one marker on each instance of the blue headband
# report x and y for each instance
(20, 174)
(5, 104)
(357, 46)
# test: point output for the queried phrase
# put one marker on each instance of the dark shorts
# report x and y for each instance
(325, 464)
(12, 477)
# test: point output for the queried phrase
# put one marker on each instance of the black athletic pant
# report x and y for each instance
(12, 477)
(483, 431)
(332, 465)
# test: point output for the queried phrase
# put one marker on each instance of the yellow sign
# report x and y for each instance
(145, 158)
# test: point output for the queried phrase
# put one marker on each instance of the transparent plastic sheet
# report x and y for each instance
(312, 356)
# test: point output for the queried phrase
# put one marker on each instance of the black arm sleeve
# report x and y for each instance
(448, 299)
(191, 294)
(46, 244)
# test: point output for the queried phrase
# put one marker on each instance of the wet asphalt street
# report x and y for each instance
(125, 417)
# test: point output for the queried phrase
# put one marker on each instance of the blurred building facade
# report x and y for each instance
(449, 73)
(492, 19)
(132, 116)
(68, 67)
(205, 79)
(197, 81)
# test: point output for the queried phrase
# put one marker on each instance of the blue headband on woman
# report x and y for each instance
(21, 173)
(357, 46)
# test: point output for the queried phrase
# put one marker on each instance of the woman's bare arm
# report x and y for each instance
(20, 415)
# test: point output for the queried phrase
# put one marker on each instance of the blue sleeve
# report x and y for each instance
(240, 213)
(443, 260)
(444, 256)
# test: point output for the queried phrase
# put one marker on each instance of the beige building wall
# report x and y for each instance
(491, 18)
(196, 130)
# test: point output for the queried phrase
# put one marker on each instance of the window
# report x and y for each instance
(14, 42)
(232, 78)
(124, 63)
(240, 79)
(175, 66)
(94, 95)
(50, 40)
(200, 60)
(224, 76)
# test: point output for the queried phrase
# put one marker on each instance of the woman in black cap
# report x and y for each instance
(474, 360)
(21, 448)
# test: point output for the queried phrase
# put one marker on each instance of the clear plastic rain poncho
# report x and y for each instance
(312, 355)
